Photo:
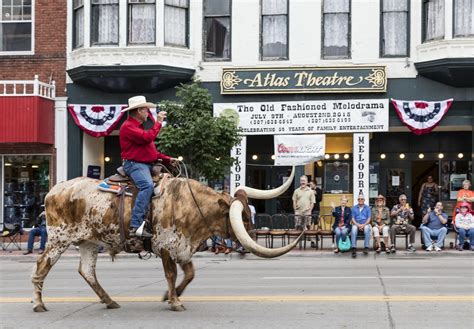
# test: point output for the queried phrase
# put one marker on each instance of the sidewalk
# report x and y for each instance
(296, 252)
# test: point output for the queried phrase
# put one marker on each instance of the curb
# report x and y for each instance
(421, 254)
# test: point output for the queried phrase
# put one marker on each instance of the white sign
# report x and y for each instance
(395, 180)
(303, 117)
(237, 171)
(295, 150)
(361, 166)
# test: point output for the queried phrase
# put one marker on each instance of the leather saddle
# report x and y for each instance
(121, 178)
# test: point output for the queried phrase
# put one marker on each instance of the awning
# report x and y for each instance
(456, 72)
(130, 78)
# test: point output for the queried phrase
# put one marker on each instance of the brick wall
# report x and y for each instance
(49, 59)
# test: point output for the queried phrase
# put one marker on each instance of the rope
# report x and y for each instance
(190, 189)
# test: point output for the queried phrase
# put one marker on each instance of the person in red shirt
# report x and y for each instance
(138, 154)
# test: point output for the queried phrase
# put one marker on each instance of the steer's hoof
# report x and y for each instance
(113, 305)
(178, 308)
(165, 297)
(40, 308)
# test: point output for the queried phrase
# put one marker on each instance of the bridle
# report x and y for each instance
(226, 221)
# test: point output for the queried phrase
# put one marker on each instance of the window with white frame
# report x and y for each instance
(433, 11)
(78, 23)
(463, 18)
(336, 27)
(274, 29)
(217, 24)
(394, 42)
(16, 26)
(141, 22)
(176, 22)
(104, 22)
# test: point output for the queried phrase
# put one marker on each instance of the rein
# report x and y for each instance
(226, 224)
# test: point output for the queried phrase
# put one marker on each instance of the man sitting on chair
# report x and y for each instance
(361, 218)
(403, 215)
(434, 226)
(39, 229)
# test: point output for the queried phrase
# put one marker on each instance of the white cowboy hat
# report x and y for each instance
(137, 102)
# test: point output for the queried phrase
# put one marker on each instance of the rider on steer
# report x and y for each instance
(138, 154)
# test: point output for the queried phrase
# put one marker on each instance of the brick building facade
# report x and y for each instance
(32, 105)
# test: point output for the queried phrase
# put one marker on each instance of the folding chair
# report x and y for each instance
(263, 223)
(11, 235)
(325, 225)
(279, 228)
(293, 231)
(312, 233)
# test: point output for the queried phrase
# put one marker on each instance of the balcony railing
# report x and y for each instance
(28, 88)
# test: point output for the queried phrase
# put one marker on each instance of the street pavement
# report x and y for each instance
(303, 289)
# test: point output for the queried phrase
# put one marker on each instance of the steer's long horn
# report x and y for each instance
(269, 194)
(245, 239)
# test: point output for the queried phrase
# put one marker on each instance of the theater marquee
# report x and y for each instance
(304, 80)
(308, 117)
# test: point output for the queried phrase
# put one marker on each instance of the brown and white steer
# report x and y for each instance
(78, 213)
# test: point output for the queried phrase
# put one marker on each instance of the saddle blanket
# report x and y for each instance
(158, 190)
(103, 186)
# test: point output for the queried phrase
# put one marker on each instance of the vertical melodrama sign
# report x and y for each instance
(361, 166)
(237, 171)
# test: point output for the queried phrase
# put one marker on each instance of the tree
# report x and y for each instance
(192, 132)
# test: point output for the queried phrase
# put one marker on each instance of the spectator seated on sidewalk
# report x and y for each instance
(402, 215)
(39, 229)
(464, 224)
(220, 244)
(342, 222)
(434, 226)
(360, 223)
(381, 223)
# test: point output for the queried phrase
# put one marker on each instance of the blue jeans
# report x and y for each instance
(217, 239)
(440, 235)
(354, 232)
(462, 233)
(41, 231)
(140, 173)
(340, 233)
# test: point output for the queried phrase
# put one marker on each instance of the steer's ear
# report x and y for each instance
(224, 204)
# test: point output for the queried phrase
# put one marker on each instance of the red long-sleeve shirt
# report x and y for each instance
(137, 144)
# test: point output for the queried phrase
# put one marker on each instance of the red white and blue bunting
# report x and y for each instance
(421, 117)
(98, 120)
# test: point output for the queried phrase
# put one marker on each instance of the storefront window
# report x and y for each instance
(396, 185)
(452, 175)
(337, 177)
(25, 184)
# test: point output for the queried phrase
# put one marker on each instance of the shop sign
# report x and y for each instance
(286, 80)
(237, 171)
(361, 166)
(303, 117)
(93, 172)
(294, 150)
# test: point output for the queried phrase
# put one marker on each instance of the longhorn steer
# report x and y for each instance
(78, 213)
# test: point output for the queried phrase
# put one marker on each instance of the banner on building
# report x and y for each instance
(99, 120)
(296, 150)
(303, 117)
(421, 117)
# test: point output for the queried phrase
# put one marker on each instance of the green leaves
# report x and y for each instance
(193, 133)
